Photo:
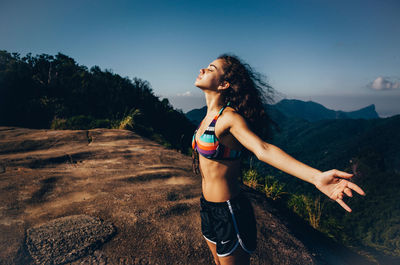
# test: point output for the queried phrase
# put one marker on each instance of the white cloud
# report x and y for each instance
(185, 94)
(383, 83)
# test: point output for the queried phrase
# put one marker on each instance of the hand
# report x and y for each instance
(335, 184)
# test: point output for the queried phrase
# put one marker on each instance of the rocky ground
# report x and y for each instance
(112, 197)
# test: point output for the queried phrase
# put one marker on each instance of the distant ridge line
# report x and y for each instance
(307, 110)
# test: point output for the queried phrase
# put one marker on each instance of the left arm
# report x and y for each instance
(332, 183)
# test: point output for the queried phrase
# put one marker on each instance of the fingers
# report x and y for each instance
(336, 185)
(344, 205)
(342, 174)
(354, 187)
(348, 192)
(350, 185)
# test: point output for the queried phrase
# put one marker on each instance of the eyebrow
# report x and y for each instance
(214, 66)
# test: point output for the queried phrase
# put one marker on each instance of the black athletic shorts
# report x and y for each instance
(229, 224)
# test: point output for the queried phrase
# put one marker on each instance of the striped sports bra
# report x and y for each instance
(209, 146)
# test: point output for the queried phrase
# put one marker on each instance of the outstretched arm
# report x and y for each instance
(333, 183)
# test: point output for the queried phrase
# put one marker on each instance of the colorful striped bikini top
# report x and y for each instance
(209, 146)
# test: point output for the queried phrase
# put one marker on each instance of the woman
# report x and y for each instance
(234, 95)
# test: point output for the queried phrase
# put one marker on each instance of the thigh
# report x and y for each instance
(213, 249)
(238, 257)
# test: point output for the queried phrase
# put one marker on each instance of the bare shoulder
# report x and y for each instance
(230, 117)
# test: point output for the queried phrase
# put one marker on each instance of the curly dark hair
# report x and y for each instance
(248, 93)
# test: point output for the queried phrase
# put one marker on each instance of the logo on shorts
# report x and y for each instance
(224, 242)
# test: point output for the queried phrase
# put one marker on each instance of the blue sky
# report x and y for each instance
(343, 54)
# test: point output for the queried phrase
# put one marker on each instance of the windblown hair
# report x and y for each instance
(248, 94)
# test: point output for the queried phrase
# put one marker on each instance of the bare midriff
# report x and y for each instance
(219, 179)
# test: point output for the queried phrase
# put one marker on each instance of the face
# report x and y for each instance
(210, 77)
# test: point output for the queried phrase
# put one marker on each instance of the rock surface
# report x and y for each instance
(67, 238)
(146, 191)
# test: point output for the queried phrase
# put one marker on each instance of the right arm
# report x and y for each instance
(332, 183)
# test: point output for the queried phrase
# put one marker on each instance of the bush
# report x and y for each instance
(126, 123)
(250, 178)
(273, 189)
(80, 122)
(58, 124)
(101, 123)
(308, 208)
(132, 120)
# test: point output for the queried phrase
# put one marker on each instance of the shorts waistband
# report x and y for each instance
(221, 204)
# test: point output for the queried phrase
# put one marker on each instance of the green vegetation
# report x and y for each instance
(250, 178)
(306, 207)
(273, 188)
(373, 223)
(46, 91)
(368, 148)
(80, 122)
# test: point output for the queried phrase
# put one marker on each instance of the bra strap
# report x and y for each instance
(222, 109)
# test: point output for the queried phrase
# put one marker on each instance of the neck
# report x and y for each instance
(214, 102)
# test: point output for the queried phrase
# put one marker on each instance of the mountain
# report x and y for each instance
(368, 112)
(313, 111)
(196, 115)
(293, 108)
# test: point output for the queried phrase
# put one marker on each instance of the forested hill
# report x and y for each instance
(368, 148)
(46, 91)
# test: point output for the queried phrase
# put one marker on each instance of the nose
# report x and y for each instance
(202, 71)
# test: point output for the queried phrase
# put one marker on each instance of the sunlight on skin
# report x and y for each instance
(334, 183)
